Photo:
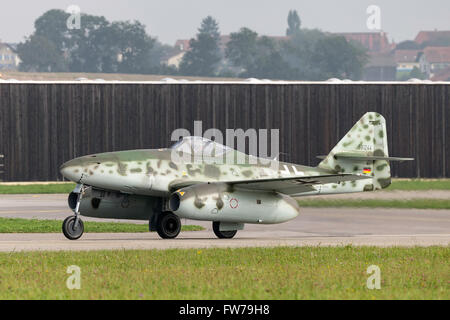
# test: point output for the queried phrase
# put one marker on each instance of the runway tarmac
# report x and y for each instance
(314, 227)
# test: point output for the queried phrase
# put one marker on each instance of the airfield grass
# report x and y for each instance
(8, 225)
(246, 273)
(419, 184)
(368, 203)
(62, 188)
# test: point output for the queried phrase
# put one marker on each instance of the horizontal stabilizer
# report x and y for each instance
(357, 157)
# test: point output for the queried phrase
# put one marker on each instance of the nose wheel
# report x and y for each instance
(73, 227)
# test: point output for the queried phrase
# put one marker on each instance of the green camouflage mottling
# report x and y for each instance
(368, 137)
(209, 187)
(222, 202)
(155, 173)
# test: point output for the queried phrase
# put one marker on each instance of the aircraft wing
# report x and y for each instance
(287, 185)
(296, 185)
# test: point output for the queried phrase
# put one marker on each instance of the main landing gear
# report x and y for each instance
(223, 234)
(73, 227)
(168, 225)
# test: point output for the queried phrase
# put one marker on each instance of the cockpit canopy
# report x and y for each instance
(200, 146)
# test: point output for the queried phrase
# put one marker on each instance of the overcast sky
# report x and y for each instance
(170, 20)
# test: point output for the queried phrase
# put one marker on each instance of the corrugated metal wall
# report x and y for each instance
(43, 125)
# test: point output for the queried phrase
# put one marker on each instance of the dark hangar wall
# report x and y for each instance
(45, 124)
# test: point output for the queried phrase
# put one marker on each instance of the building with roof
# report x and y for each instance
(442, 75)
(407, 60)
(381, 67)
(9, 59)
(435, 36)
(434, 59)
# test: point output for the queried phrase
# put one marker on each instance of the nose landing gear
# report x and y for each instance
(73, 227)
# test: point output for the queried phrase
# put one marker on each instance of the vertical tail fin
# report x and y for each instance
(363, 150)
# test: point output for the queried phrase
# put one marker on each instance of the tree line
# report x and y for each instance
(101, 46)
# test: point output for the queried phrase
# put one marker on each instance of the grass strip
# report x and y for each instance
(234, 274)
(54, 226)
(37, 188)
(418, 184)
(404, 204)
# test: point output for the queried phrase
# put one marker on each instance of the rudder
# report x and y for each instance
(363, 150)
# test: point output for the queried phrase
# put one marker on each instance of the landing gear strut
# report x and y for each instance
(222, 234)
(73, 227)
(168, 225)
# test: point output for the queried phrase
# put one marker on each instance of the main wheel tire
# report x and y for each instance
(168, 225)
(222, 234)
(71, 231)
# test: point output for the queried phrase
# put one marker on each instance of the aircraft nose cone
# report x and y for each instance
(71, 170)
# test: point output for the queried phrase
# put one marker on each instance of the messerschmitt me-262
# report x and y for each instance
(149, 185)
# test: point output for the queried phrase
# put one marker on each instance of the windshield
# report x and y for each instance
(200, 146)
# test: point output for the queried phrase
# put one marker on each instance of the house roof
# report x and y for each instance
(437, 54)
(425, 36)
(372, 41)
(6, 45)
(406, 55)
(183, 45)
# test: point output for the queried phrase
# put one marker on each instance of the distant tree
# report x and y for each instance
(257, 57)
(158, 53)
(294, 23)
(299, 53)
(53, 26)
(269, 62)
(243, 48)
(90, 48)
(417, 74)
(98, 46)
(336, 57)
(204, 55)
(134, 47)
(39, 54)
(314, 55)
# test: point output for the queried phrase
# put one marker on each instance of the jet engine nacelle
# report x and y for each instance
(221, 202)
(115, 205)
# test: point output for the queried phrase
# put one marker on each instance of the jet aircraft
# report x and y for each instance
(149, 185)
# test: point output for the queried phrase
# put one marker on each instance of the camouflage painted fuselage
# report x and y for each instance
(206, 183)
(153, 173)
